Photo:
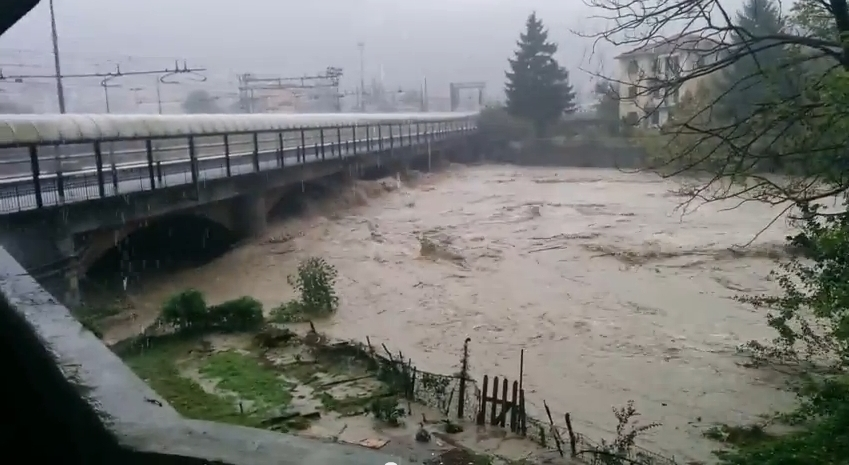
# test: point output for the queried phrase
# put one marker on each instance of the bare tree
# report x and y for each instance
(802, 132)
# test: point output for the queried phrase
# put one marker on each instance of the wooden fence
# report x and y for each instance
(510, 406)
(495, 402)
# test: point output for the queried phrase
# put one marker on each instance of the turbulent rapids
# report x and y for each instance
(613, 293)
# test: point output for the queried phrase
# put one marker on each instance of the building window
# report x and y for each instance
(673, 65)
(655, 65)
(632, 118)
(633, 67)
(655, 117)
(655, 87)
(632, 91)
(674, 96)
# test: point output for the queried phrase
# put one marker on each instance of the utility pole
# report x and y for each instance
(424, 96)
(362, 99)
(60, 90)
(159, 95)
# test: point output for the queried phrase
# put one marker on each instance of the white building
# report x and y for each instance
(650, 77)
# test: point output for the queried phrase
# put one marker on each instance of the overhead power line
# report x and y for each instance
(249, 84)
(111, 74)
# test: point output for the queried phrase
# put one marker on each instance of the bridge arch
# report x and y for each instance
(184, 239)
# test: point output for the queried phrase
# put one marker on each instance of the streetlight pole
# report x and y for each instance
(159, 94)
(106, 95)
(425, 99)
(60, 90)
(362, 102)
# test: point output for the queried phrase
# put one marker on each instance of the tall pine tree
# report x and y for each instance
(538, 88)
(760, 76)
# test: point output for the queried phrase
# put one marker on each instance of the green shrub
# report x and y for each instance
(314, 282)
(387, 410)
(242, 314)
(290, 312)
(497, 125)
(185, 311)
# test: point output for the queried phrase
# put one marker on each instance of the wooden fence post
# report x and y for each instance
(493, 410)
(514, 412)
(523, 414)
(505, 405)
(554, 433)
(464, 373)
(572, 439)
(482, 412)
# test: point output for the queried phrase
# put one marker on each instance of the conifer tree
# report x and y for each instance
(538, 88)
(760, 76)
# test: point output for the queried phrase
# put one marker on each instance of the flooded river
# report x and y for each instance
(613, 294)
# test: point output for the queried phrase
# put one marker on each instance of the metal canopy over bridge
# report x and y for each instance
(50, 160)
(23, 130)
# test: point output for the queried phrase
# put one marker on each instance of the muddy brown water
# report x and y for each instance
(613, 293)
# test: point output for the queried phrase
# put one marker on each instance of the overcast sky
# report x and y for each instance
(444, 40)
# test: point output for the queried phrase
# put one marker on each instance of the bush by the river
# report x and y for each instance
(315, 282)
(188, 311)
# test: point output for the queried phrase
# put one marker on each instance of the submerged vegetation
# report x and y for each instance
(314, 281)
(263, 376)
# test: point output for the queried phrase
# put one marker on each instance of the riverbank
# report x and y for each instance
(301, 383)
(577, 152)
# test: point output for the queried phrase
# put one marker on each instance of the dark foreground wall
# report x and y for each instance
(612, 153)
(70, 400)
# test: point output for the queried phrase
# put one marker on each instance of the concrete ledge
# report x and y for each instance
(115, 388)
(143, 422)
(216, 442)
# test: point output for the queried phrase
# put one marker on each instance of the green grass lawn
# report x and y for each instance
(248, 378)
(157, 367)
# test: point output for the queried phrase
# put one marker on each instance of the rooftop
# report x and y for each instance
(664, 45)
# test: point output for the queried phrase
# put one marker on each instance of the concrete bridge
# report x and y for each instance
(73, 186)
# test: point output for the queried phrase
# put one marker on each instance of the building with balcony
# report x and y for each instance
(653, 78)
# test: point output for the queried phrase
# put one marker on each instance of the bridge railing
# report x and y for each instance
(38, 172)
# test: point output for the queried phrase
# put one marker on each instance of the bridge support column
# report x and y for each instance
(352, 171)
(70, 271)
(401, 167)
(249, 214)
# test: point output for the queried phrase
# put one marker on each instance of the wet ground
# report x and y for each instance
(305, 385)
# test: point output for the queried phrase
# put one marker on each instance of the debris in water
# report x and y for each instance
(422, 435)
(372, 443)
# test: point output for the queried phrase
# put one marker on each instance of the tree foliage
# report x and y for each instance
(498, 127)
(315, 282)
(755, 79)
(780, 130)
(188, 312)
(200, 102)
(538, 88)
(773, 96)
(607, 105)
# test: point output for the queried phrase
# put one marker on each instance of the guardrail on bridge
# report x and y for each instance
(49, 160)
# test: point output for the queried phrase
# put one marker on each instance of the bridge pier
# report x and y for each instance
(352, 172)
(250, 214)
(71, 271)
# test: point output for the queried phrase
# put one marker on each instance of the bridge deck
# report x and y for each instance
(49, 160)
